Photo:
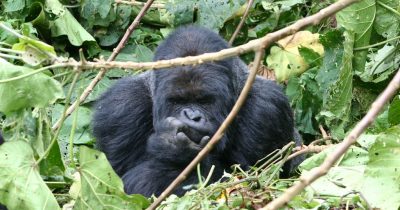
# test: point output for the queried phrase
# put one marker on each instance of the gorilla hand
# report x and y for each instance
(172, 139)
(177, 134)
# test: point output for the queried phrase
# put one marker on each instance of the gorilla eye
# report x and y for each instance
(176, 100)
(206, 100)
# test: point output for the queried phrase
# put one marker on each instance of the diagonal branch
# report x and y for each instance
(218, 134)
(237, 30)
(266, 41)
(341, 148)
(103, 71)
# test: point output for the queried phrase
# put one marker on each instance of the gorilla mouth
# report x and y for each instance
(194, 135)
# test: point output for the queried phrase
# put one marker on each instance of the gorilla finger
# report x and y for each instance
(174, 123)
(182, 137)
(204, 141)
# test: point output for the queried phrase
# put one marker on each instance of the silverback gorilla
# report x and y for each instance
(152, 125)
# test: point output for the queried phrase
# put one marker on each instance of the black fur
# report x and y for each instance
(152, 125)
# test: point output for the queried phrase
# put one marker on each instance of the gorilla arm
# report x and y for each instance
(265, 123)
(123, 122)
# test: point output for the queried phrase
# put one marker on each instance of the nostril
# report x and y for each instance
(196, 118)
(192, 115)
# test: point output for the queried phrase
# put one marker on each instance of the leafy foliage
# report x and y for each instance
(381, 171)
(21, 179)
(38, 90)
(99, 187)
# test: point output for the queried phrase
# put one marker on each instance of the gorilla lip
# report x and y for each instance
(193, 134)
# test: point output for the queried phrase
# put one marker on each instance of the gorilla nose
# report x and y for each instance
(193, 115)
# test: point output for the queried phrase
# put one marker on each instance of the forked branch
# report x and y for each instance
(341, 148)
(103, 71)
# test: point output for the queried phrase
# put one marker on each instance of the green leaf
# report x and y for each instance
(100, 187)
(100, 88)
(306, 98)
(93, 7)
(66, 24)
(37, 90)
(25, 41)
(21, 186)
(82, 131)
(344, 177)
(178, 12)
(359, 18)
(355, 156)
(13, 5)
(381, 184)
(366, 140)
(328, 74)
(312, 58)
(337, 101)
(213, 13)
(387, 23)
(381, 64)
(394, 111)
(210, 13)
(53, 164)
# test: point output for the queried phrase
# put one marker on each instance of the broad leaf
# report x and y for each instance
(381, 184)
(337, 103)
(38, 90)
(394, 111)
(381, 64)
(66, 24)
(21, 186)
(359, 18)
(100, 187)
(286, 59)
(387, 23)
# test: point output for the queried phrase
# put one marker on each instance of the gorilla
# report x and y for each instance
(152, 125)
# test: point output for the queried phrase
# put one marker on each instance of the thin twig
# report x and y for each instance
(2, 55)
(323, 132)
(309, 149)
(140, 4)
(376, 44)
(62, 118)
(341, 148)
(103, 71)
(60, 65)
(246, 12)
(217, 136)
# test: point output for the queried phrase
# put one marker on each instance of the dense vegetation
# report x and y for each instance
(331, 71)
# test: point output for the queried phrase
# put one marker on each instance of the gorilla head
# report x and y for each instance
(152, 125)
(199, 97)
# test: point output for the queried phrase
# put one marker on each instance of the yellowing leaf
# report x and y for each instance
(304, 39)
(286, 59)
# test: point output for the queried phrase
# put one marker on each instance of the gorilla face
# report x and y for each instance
(198, 97)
